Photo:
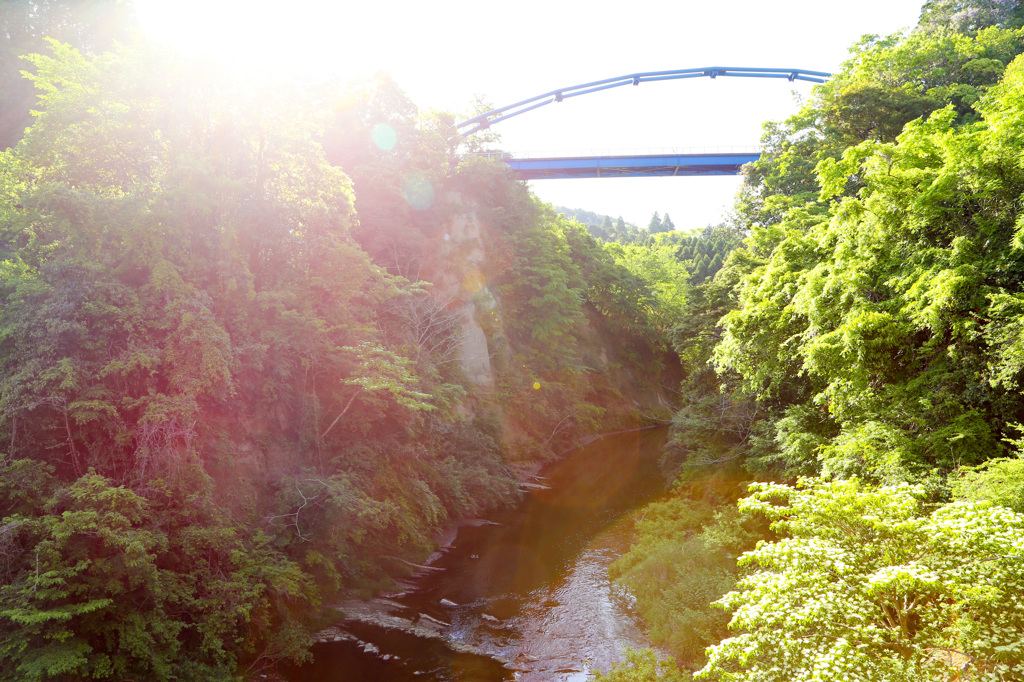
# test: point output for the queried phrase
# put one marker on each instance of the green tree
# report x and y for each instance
(90, 25)
(657, 264)
(655, 225)
(970, 16)
(918, 315)
(999, 481)
(483, 140)
(542, 288)
(398, 159)
(869, 584)
(107, 584)
(887, 82)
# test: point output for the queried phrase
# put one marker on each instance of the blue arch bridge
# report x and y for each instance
(663, 163)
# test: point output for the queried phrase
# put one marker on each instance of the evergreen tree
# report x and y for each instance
(655, 225)
(715, 265)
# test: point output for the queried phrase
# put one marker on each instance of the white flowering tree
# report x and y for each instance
(872, 584)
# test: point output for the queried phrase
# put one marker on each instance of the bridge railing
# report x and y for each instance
(634, 151)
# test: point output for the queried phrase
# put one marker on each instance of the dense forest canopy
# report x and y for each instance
(860, 349)
(233, 356)
(259, 344)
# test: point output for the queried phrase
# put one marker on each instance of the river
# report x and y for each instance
(522, 596)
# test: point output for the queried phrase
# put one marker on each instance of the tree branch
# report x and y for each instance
(342, 414)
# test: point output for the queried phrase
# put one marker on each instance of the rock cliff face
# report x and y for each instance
(455, 262)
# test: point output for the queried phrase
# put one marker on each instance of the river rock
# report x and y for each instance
(533, 486)
(449, 603)
(435, 620)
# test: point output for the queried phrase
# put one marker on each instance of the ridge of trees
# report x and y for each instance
(602, 226)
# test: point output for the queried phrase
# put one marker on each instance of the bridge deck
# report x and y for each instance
(629, 166)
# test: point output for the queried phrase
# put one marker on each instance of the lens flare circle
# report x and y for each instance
(384, 136)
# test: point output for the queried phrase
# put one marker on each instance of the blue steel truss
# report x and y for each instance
(489, 118)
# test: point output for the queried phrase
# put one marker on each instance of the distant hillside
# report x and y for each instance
(604, 226)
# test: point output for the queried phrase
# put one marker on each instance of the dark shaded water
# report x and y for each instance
(528, 599)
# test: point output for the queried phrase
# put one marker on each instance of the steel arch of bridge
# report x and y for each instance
(489, 118)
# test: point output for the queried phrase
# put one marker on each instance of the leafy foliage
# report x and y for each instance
(884, 305)
(91, 25)
(106, 583)
(642, 666)
(683, 560)
(870, 585)
(1000, 481)
(869, 327)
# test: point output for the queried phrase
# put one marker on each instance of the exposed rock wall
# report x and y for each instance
(455, 262)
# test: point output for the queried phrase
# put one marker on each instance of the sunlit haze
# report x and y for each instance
(442, 54)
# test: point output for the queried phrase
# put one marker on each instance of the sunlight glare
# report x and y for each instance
(315, 39)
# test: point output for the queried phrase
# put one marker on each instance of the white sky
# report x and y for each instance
(442, 53)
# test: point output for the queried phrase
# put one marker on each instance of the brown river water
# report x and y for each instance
(524, 595)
